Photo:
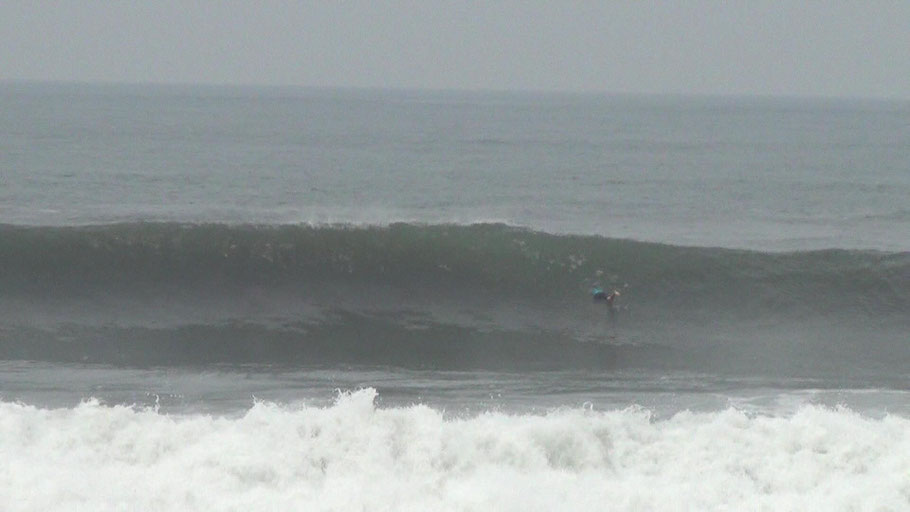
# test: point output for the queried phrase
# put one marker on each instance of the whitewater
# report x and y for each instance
(354, 456)
(314, 299)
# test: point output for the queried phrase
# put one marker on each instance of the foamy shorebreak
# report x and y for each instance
(355, 456)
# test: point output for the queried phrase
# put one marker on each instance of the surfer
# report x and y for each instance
(602, 296)
(609, 298)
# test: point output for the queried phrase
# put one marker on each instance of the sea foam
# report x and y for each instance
(354, 455)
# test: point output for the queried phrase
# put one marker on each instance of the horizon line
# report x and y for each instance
(455, 90)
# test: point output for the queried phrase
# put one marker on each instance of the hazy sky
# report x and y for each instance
(831, 48)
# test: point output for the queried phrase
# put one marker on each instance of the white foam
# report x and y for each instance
(354, 456)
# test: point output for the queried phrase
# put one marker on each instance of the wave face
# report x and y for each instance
(436, 295)
(355, 456)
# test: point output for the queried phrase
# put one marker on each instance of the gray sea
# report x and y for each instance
(283, 298)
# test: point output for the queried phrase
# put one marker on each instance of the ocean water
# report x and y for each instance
(280, 299)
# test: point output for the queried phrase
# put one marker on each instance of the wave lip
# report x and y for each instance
(355, 456)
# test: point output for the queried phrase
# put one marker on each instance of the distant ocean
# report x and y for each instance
(220, 298)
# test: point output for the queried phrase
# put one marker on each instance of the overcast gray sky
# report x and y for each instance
(828, 48)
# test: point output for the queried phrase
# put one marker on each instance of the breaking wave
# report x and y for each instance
(435, 295)
(356, 456)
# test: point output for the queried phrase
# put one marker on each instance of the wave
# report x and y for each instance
(355, 456)
(492, 258)
(433, 290)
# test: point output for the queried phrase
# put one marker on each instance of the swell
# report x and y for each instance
(484, 295)
(492, 259)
